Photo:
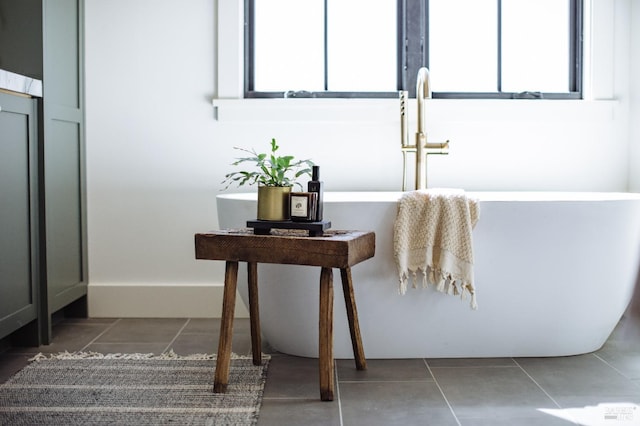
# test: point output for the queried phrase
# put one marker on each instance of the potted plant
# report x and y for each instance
(275, 176)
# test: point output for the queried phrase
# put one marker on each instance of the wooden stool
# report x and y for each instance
(335, 249)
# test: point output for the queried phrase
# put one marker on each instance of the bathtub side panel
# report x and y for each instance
(553, 278)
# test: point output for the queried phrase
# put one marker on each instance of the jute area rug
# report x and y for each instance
(131, 389)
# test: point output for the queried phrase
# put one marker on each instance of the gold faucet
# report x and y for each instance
(422, 148)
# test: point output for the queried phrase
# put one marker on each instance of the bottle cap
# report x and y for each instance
(315, 173)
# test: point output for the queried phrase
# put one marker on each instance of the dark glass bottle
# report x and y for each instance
(315, 185)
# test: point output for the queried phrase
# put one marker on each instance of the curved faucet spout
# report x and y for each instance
(423, 82)
(423, 91)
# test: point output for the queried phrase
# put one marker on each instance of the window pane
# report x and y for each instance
(362, 40)
(463, 45)
(289, 45)
(535, 45)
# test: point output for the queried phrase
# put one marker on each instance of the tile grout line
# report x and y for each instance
(613, 367)
(337, 379)
(537, 384)
(288, 398)
(168, 347)
(461, 367)
(100, 335)
(571, 417)
(441, 392)
(389, 381)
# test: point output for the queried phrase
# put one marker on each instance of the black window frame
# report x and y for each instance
(413, 48)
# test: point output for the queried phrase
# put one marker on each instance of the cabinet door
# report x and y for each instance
(63, 155)
(18, 212)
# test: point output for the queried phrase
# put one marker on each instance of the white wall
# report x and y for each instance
(153, 155)
(634, 165)
(156, 152)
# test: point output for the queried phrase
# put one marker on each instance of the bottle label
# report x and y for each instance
(299, 206)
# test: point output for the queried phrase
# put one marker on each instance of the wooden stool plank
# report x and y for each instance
(221, 378)
(337, 249)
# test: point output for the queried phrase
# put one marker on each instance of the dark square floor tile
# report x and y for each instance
(490, 392)
(186, 344)
(212, 325)
(598, 411)
(78, 320)
(394, 403)
(627, 363)
(543, 419)
(582, 375)
(626, 335)
(383, 370)
(143, 330)
(11, 363)
(201, 335)
(299, 412)
(204, 326)
(627, 331)
(624, 356)
(74, 336)
(292, 377)
(128, 348)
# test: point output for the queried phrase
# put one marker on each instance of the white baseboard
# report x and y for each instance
(120, 300)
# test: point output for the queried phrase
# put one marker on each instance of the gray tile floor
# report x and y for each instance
(601, 388)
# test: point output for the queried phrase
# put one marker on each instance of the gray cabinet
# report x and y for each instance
(18, 213)
(43, 39)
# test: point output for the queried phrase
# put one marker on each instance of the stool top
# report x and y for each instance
(334, 249)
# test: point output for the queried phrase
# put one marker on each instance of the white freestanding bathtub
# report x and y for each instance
(554, 273)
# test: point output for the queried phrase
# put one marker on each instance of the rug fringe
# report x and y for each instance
(169, 355)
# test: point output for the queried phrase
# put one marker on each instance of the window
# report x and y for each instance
(359, 48)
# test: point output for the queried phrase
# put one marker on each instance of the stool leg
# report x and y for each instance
(352, 315)
(325, 355)
(254, 313)
(221, 378)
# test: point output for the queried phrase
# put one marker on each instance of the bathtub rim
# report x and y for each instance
(497, 196)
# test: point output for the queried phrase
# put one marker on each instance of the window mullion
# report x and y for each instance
(326, 45)
(416, 34)
(575, 46)
(499, 53)
(402, 45)
(249, 46)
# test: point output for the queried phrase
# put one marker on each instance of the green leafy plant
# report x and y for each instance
(269, 169)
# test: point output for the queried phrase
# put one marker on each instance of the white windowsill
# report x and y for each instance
(388, 110)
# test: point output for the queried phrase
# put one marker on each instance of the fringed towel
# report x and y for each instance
(432, 234)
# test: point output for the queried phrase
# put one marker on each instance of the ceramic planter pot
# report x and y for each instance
(273, 202)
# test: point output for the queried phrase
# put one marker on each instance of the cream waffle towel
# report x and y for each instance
(432, 234)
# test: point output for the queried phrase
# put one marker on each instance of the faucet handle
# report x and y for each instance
(441, 148)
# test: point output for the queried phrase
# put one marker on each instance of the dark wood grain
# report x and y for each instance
(335, 249)
(221, 378)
